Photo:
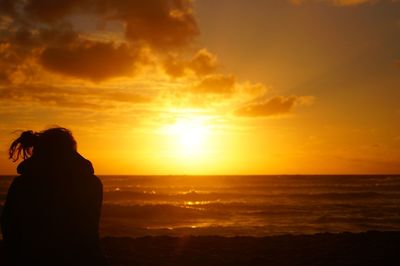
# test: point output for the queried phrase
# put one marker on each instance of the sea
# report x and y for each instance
(135, 206)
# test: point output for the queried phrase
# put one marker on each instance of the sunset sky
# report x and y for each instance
(207, 86)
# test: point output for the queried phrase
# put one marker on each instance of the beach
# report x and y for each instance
(369, 248)
(252, 220)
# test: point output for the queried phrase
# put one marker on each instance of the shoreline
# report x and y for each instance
(367, 248)
(327, 249)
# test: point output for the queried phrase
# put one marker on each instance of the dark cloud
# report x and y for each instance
(157, 23)
(7, 62)
(51, 11)
(90, 60)
(12, 62)
(61, 34)
(268, 107)
(8, 7)
(46, 25)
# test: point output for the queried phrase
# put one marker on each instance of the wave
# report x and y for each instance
(193, 196)
(240, 204)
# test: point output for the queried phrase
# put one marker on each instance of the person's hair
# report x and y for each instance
(50, 141)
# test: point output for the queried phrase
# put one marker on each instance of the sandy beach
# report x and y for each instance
(370, 248)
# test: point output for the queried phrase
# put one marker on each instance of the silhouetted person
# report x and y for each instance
(52, 211)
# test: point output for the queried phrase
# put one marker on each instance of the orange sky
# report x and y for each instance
(207, 87)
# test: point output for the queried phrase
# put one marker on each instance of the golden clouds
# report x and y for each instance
(216, 84)
(48, 42)
(352, 2)
(202, 63)
(263, 107)
(72, 97)
(336, 2)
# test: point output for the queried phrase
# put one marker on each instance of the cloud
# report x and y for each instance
(13, 64)
(352, 2)
(48, 32)
(253, 89)
(7, 62)
(278, 105)
(49, 11)
(215, 84)
(58, 42)
(335, 2)
(174, 67)
(90, 60)
(160, 24)
(73, 97)
(202, 63)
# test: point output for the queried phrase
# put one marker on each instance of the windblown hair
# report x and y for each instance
(50, 141)
(22, 146)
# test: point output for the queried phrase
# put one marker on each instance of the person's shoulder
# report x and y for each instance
(80, 164)
(97, 180)
(28, 166)
(22, 178)
(18, 182)
(89, 170)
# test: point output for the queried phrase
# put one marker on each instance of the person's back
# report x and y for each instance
(52, 210)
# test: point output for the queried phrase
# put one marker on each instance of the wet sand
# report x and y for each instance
(370, 248)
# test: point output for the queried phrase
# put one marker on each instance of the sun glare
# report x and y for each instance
(189, 136)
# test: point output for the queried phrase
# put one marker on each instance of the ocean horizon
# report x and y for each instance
(245, 205)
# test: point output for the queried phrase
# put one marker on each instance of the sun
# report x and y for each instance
(189, 136)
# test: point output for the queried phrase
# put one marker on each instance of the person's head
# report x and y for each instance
(49, 142)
